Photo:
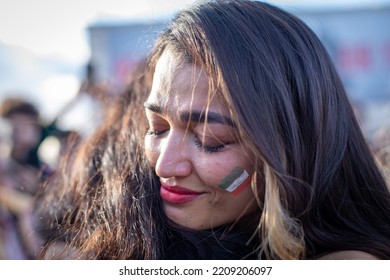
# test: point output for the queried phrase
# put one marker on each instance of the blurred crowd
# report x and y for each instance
(30, 149)
(27, 157)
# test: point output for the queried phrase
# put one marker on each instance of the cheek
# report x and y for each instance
(230, 175)
(213, 173)
(151, 150)
(219, 168)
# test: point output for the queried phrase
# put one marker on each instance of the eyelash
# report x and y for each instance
(156, 132)
(207, 149)
(198, 143)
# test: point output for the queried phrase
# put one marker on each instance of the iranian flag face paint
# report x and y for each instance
(236, 181)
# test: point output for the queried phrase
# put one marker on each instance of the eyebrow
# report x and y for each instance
(195, 116)
(153, 107)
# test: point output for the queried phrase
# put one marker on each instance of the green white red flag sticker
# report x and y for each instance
(236, 181)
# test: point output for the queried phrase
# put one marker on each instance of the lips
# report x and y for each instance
(177, 195)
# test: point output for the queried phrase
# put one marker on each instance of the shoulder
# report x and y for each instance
(348, 255)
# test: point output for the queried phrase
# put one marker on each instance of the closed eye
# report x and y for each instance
(208, 149)
(156, 132)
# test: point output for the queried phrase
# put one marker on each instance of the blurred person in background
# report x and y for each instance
(20, 171)
(26, 131)
(22, 164)
(30, 151)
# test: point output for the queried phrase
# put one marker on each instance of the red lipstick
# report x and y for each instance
(177, 195)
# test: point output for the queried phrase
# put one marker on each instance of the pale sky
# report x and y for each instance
(57, 27)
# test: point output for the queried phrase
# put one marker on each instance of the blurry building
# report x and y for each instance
(357, 39)
(117, 47)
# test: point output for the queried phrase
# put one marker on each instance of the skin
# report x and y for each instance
(348, 255)
(193, 154)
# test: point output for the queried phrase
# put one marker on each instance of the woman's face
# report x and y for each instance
(192, 157)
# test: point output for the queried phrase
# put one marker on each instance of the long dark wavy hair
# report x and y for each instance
(317, 183)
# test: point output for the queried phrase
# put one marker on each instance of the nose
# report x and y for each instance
(173, 159)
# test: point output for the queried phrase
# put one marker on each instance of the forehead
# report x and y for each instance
(181, 86)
